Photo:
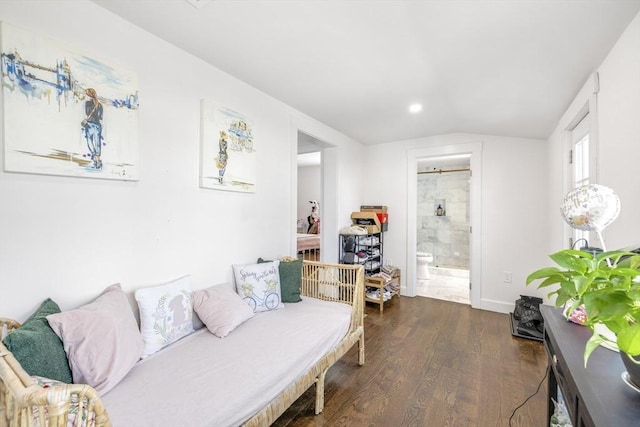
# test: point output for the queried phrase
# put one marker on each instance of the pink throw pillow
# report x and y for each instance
(101, 339)
(220, 309)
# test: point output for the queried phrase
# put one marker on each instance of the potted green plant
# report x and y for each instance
(607, 286)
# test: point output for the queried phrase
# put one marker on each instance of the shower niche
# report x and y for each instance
(440, 207)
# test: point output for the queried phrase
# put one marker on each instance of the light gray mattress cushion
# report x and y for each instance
(203, 380)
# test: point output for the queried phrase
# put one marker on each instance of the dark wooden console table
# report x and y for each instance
(596, 396)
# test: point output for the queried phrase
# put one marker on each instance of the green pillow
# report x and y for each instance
(290, 279)
(38, 348)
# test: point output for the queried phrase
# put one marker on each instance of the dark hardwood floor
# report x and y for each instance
(431, 363)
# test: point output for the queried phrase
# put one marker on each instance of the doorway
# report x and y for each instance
(309, 197)
(474, 152)
(443, 228)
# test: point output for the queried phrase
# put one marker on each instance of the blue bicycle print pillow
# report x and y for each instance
(259, 285)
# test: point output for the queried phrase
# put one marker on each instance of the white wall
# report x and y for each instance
(69, 238)
(513, 207)
(619, 134)
(617, 124)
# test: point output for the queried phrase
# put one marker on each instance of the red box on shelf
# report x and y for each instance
(383, 217)
(381, 213)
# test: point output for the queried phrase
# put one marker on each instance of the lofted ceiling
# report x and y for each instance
(501, 67)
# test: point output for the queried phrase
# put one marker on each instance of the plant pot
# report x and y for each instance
(633, 369)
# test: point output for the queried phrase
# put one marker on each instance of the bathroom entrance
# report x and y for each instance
(443, 227)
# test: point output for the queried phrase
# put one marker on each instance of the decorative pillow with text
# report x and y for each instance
(259, 285)
(290, 278)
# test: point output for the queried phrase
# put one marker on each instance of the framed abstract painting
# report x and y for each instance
(227, 150)
(65, 112)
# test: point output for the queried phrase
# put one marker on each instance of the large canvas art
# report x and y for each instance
(228, 153)
(65, 112)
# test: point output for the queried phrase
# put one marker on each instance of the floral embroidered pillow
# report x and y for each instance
(166, 313)
(259, 285)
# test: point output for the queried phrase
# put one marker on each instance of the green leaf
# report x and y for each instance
(570, 288)
(613, 311)
(591, 345)
(583, 283)
(542, 273)
(606, 305)
(634, 293)
(571, 260)
(613, 256)
(634, 261)
(551, 281)
(629, 340)
(561, 299)
(577, 253)
(630, 272)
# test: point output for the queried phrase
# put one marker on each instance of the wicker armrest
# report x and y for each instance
(333, 282)
(22, 400)
(6, 326)
(336, 282)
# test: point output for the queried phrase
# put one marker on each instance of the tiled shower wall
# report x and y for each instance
(446, 237)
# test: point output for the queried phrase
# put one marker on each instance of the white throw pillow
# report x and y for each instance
(259, 285)
(166, 313)
(221, 309)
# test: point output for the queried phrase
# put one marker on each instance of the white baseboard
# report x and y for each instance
(497, 306)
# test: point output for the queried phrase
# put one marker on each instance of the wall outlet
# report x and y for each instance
(507, 277)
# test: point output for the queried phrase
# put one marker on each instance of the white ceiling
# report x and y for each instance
(502, 67)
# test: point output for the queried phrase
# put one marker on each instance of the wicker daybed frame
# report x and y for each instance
(25, 403)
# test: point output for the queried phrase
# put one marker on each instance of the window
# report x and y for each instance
(580, 165)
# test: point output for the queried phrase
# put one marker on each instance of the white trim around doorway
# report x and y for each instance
(474, 149)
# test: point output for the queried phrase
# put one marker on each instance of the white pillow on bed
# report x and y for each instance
(221, 309)
(166, 313)
(259, 285)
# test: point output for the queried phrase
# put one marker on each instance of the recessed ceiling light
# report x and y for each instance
(198, 4)
(415, 108)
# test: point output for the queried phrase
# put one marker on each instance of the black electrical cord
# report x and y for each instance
(527, 399)
(586, 243)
